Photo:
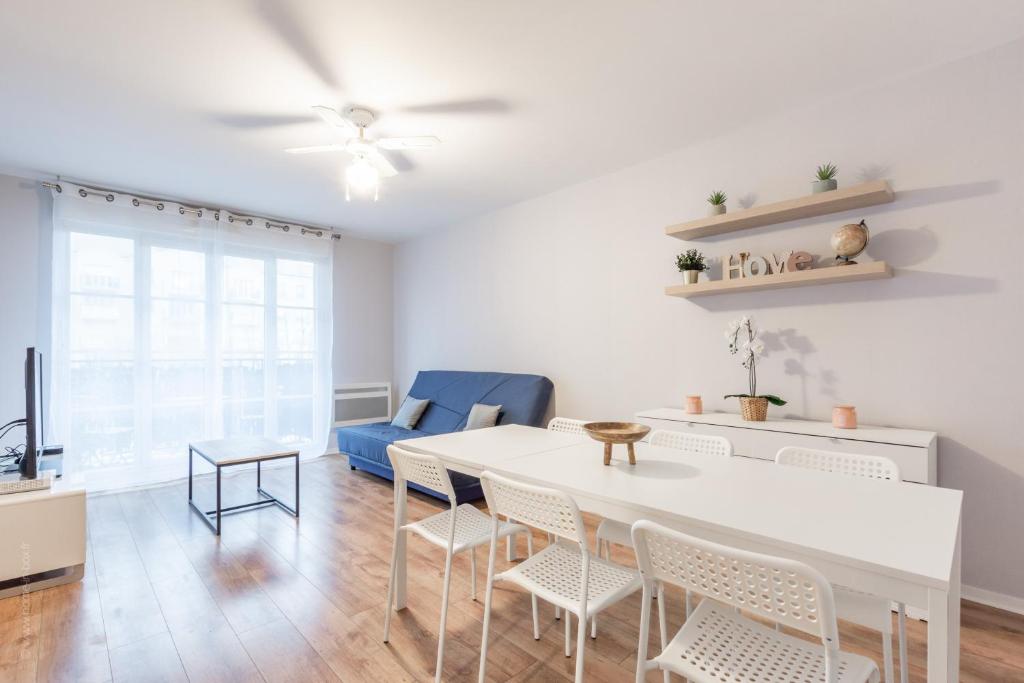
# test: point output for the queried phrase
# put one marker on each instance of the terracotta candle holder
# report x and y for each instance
(694, 405)
(844, 417)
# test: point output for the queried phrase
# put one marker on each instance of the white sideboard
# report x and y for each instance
(914, 450)
(43, 538)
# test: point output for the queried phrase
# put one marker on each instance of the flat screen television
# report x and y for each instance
(34, 433)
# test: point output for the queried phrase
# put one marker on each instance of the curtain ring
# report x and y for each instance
(82, 193)
(110, 197)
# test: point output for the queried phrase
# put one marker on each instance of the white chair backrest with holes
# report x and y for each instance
(852, 464)
(420, 468)
(693, 443)
(542, 508)
(785, 591)
(566, 425)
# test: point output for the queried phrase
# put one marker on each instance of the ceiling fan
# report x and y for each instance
(369, 164)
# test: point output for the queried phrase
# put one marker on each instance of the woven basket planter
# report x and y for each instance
(754, 409)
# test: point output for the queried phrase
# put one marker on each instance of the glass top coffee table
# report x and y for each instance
(241, 451)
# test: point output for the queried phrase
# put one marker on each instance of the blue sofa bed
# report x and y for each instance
(523, 398)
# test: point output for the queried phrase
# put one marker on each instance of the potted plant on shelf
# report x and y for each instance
(717, 201)
(690, 263)
(826, 179)
(743, 340)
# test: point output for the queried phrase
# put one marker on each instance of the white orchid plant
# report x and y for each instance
(744, 340)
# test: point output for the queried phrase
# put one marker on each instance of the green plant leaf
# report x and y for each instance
(691, 259)
(774, 400)
(827, 172)
(716, 198)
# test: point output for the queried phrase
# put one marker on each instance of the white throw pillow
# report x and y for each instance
(410, 412)
(481, 415)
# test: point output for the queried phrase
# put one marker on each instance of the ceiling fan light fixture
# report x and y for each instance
(361, 177)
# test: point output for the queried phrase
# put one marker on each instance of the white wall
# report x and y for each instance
(24, 282)
(570, 284)
(363, 317)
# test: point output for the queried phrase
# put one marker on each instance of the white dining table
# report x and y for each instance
(896, 540)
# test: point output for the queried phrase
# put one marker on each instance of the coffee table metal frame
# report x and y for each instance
(265, 497)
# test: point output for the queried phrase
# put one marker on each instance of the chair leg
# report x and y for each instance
(444, 615)
(533, 596)
(581, 639)
(662, 623)
(887, 657)
(601, 544)
(645, 628)
(558, 610)
(568, 634)
(472, 571)
(391, 585)
(488, 589)
(901, 627)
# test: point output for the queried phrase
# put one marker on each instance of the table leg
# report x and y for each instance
(632, 453)
(944, 627)
(607, 454)
(296, 486)
(190, 474)
(258, 478)
(218, 500)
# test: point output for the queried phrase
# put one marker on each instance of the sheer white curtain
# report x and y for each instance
(174, 324)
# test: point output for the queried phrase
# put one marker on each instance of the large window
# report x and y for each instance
(164, 337)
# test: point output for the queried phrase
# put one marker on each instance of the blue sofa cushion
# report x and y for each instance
(367, 447)
(371, 441)
(523, 398)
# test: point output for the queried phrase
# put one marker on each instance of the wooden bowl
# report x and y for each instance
(611, 433)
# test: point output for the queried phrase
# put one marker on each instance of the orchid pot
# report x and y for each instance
(744, 340)
(754, 408)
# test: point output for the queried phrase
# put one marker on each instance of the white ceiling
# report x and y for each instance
(196, 98)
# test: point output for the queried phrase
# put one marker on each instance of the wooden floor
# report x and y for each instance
(278, 600)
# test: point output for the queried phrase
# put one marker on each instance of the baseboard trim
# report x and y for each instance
(1010, 603)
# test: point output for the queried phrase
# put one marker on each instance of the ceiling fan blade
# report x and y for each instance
(381, 163)
(332, 118)
(316, 148)
(418, 142)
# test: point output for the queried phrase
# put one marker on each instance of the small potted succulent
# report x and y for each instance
(744, 340)
(826, 179)
(690, 263)
(717, 201)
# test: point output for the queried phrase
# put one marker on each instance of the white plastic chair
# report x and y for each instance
(870, 611)
(610, 531)
(562, 573)
(462, 527)
(566, 425)
(717, 643)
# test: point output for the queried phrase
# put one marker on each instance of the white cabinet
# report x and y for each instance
(43, 538)
(913, 450)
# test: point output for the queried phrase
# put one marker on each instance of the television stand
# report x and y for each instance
(43, 543)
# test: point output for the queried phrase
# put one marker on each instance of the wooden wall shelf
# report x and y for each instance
(845, 199)
(875, 270)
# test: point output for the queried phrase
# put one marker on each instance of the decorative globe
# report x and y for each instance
(849, 241)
